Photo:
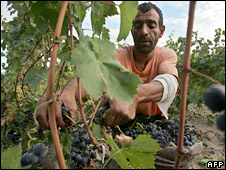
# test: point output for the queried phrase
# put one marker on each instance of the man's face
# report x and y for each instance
(146, 31)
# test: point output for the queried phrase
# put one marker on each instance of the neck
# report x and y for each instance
(142, 58)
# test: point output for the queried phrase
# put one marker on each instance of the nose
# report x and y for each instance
(144, 29)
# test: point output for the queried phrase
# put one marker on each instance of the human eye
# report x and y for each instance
(137, 24)
(151, 26)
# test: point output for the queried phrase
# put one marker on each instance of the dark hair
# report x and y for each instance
(145, 7)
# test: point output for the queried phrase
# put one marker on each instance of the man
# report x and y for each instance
(155, 65)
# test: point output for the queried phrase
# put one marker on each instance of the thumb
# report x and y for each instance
(105, 100)
(71, 105)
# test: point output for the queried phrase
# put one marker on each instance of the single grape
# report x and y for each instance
(78, 158)
(85, 160)
(93, 155)
(75, 149)
(23, 159)
(86, 152)
(39, 149)
(32, 158)
(83, 145)
(73, 155)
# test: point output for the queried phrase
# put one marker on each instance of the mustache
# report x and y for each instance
(144, 38)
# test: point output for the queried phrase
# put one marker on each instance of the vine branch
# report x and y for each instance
(184, 86)
(15, 91)
(52, 119)
(82, 107)
(24, 75)
(200, 74)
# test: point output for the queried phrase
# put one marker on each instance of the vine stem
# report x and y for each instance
(52, 119)
(15, 91)
(82, 107)
(111, 158)
(184, 86)
(24, 75)
(200, 74)
(101, 127)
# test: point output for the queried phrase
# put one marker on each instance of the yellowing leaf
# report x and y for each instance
(10, 159)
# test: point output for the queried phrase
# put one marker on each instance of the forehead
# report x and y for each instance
(152, 14)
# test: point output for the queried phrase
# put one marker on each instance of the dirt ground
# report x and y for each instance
(205, 123)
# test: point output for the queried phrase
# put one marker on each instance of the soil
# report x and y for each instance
(204, 121)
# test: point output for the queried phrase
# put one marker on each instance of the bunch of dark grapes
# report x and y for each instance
(164, 136)
(37, 155)
(173, 129)
(81, 151)
(156, 132)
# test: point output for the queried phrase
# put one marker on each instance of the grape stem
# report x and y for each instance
(91, 122)
(83, 115)
(120, 130)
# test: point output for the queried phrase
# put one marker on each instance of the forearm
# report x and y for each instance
(149, 92)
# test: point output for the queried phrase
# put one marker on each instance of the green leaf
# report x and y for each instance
(10, 159)
(140, 153)
(105, 34)
(109, 9)
(40, 74)
(96, 131)
(99, 70)
(98, 14)
(97, 18)
(111, 142)
(81, 9)
(46, 14)
(128, 12)
(78, 27)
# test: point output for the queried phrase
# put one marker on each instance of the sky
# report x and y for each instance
(209, 15)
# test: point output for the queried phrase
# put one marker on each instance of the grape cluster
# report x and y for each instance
(156, 132)
(173, 130)
(81, 151)
(164, 136)
(36, 156)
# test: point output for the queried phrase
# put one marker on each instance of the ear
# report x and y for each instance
(162, 30)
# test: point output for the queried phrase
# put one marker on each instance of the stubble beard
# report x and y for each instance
(145, 48)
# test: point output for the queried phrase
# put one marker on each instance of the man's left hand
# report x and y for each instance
(119, 112)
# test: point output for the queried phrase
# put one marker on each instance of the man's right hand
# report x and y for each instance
(67, 98)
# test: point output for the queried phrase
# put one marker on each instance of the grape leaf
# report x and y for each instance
(98, 70)
(128, 12)
(40, 74)
(140, 152)
(81, 9)
(46, 14)
(97, 19)
(10, 159)
(98, 14)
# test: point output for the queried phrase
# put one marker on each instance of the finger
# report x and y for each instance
(105, 99)
(109, 119)
(118, 121)
(72, 108)
(41, 116)
(58, 114)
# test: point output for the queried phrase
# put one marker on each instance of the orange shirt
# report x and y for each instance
(164, 61)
